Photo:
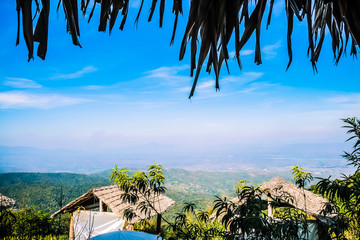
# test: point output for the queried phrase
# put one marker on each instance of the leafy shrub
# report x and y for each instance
(30, 223)
(344, 193)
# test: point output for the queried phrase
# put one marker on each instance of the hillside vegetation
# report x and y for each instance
(47, 191)
(50, 191)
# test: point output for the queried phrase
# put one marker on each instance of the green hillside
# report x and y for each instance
(49, 191)
(50, 178)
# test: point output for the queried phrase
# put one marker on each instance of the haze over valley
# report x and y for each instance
(318, 158)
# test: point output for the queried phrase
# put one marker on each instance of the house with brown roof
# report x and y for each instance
(278, 190)
(6, 202)
(106, 200)
(301, 199)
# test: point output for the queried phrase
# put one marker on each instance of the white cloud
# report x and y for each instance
(167, 77)
(203, 85)
(19, 100)
(21, 83)
(270, 51)
(244, 52)
(258, 86)
(77, 74)
(344, 99)
(165, 72)
(184, 89)
(248, 90)
(206, 85)
(244, 78)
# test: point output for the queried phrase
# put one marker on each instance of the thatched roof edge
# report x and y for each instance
(110, 195)
(73, 202)
(6, 202)
(218, 23)
(299, 198)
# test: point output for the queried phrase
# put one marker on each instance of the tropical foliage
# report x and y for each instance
(247, 216)
(141, 188)
(211, 24)
(30, 223)
(243, 218)
(345, 192)
(189, 224)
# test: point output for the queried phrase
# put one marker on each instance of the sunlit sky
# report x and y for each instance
(129, 89)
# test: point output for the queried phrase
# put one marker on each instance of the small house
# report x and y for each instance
(304, 200)
(6, 202)
(297, 198)
(101, 210)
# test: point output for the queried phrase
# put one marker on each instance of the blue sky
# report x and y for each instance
(129, 89)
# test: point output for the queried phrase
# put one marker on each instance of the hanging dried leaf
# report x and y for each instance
(24, 6)
(41, 30)
(177, 8)
(72, 20)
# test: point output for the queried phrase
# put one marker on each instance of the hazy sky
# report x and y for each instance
(130, 88)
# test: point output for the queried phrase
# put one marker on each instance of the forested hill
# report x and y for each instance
(50, 178)
(216, 182)
(49, 191)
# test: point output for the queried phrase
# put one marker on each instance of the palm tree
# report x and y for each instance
(214, 21)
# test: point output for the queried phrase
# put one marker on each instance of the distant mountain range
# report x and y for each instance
(315, 157)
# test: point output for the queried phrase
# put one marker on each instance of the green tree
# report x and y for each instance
(7, 220)
(140, 188)
(246, 218)
(196, 224)
(30, 223)
(344, 193)
(143, 188)
(301, 177)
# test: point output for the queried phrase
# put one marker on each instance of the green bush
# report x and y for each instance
(344, 193)
(31, 223)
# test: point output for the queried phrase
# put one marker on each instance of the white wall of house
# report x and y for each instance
(89, 224)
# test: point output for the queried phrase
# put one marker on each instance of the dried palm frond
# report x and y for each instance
(25, 7)
(72, 19)
(211, 24)
(41, 29)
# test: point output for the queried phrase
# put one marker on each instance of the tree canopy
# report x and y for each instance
(210, 26)
(344, 193)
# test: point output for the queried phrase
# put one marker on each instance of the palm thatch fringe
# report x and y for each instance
(110, 195)
(214, 21)
(299, 198)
